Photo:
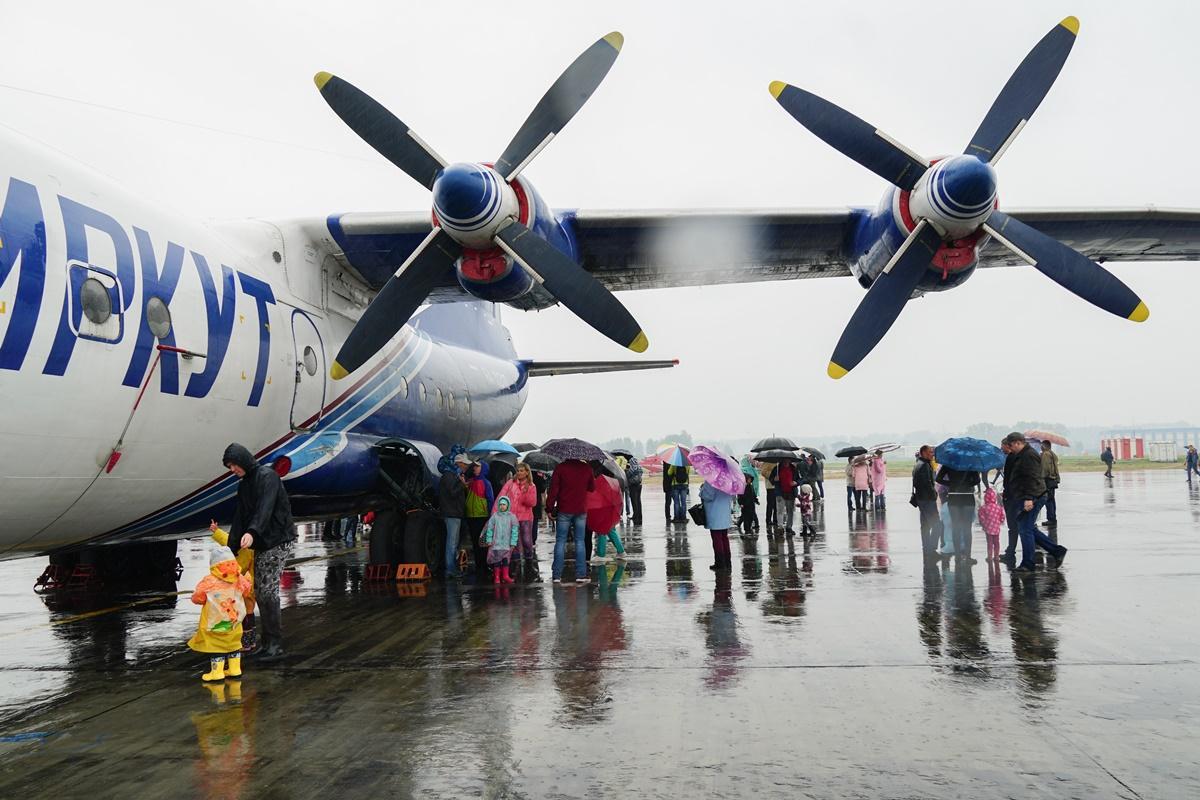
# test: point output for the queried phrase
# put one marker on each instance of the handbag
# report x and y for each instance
(698, 515)
(912, 499)
(1051, 484)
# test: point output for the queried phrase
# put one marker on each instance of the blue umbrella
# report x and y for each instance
(493, 446)
(966, 454)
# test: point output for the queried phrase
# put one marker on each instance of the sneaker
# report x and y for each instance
(622, 556)
(582, 581)
(1061, 555)
(1025, 569)
(599, 560)
(557, 580)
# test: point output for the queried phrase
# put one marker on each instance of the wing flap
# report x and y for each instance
(660, 249)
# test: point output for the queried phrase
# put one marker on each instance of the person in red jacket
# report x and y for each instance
(567, 502)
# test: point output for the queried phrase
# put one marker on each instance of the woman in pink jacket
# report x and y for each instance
(861, 471)
(879, 480)
(522, 497)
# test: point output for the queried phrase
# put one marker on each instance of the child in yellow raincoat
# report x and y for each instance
(245, 559)
(222, 595)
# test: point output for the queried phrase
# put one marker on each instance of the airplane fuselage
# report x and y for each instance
(134, 345)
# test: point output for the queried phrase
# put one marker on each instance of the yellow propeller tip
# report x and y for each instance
(639, 344)
(1140, 314)
(322, 78)
(337, 371)
(1071, 24)
(616, 40)
(836, 371)
(777, 88)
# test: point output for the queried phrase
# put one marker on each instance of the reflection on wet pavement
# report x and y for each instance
(837, 667)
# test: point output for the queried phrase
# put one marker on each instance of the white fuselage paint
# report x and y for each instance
(58, 431)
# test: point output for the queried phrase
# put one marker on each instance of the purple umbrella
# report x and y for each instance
(718, 469)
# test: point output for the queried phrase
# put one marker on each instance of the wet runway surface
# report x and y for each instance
(836, 669)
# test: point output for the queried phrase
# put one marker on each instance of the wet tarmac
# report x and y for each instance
(836, 669)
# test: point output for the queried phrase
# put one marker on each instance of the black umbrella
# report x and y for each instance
(851, 452)
(613, 468)
(814, 452)
(774, 443)
(504, 458)
(539, 461)
(524, 447)
(620, 452)
(775, 456)
(565, 449)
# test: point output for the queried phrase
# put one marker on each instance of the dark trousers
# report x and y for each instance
(961, 517)
(667, 502)
(929, 526)
(770, 508)
(474, 526)
(850, 497)
(1108, 469)
(860, 499)
(635, 502)
(1051, 508)
(749, 518)
(1031, 536)
(721, 553)
(821, 489)
(1011, 510)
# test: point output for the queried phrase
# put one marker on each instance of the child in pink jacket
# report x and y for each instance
(991, 519)
(522, 497)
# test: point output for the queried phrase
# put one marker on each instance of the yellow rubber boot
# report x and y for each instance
(217, 671)
(234, 668)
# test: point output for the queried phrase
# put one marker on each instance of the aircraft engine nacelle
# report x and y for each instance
(471, 202)
(880, 235)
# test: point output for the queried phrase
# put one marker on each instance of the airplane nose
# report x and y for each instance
(464, 194)
(965, 186)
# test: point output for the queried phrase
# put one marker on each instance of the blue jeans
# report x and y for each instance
(564, 523)
(679, 495)
(452, 526)
(1031, 535)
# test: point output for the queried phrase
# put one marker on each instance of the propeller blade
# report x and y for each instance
(851, 136)
(573, 286)
(885, 299)
(380, 128)
(1067, 267)
(1023, 93)
(394, 305)
(561, 102)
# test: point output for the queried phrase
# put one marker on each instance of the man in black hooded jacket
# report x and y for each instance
(262, 521)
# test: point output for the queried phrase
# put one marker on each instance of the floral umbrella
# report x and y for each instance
(718, 469)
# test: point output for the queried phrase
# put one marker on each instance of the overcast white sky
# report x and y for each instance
(683, 120)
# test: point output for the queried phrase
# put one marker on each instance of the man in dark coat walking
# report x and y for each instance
(262, 521)
(1028, 488)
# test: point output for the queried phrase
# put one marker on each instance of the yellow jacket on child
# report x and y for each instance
(222, 595)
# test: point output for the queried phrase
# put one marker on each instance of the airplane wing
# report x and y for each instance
(538, 369)
(1111, 234)
(661, 249)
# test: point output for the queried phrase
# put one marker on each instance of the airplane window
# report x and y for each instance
(96, 301)
(439, 397)
(466, 403)
(158, 317)
(423, 391)
(404, 388)
(451, 403)
(310, 360)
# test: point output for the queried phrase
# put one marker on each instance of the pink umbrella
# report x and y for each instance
(718, 469)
